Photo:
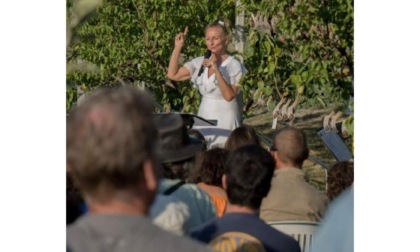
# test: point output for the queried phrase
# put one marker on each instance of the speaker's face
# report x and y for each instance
(216, 40)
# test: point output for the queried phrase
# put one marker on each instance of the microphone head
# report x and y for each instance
(207, 54)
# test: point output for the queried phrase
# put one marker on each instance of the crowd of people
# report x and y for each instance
(143, 181)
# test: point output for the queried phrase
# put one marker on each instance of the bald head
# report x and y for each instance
(291, 146)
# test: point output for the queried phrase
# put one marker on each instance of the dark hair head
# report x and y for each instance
(212, 167)
(249, 170)
(109, 138)
(290, 144)
(243, 135)
(340, 177)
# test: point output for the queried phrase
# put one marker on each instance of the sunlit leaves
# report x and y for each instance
(311, 45)
(132, 40)
(309, 50)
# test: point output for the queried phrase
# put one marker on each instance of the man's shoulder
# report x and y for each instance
(288, 177)
(194, 190)
(275, 240)
(233, 222)
(142, 235)
(206, 231)
(243, 231)
(314, 193)
(169, 213)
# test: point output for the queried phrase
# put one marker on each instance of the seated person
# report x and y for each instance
(340, 177)
(209, 177)
(111, 157)
(195, 134)
(241, 136)
(177, 154)
(247, 177)
(291, 197)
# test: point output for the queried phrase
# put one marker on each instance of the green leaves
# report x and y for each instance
(271, 67)
(296, 79)
(267, 47)
(132, 40)
(311, 44)
(309, 47)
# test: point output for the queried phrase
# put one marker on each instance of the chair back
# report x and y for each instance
(302, 231)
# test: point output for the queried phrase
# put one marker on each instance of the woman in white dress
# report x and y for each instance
(218, 82)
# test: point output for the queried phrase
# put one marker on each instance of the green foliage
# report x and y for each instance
(308, 47)
(132, 40)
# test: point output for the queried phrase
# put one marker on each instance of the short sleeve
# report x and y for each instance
(236, 70)
(190, 66)
(193, 65)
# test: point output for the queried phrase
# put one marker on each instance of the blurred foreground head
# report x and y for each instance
(111, 141)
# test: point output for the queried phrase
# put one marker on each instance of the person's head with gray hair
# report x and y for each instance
(111, 148)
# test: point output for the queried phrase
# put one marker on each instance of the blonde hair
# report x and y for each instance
(225, 25)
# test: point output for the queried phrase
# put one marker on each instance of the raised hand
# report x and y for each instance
(180, 38)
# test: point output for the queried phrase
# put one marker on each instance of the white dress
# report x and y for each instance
(213, 106)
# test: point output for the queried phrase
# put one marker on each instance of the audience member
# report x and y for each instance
(177, 153)
(111, 142)
(243, 135)
(336, 232)
(170, 213)
(291, 197)
(247, 177)
(209, 177)
(340, 177)
(195, 134)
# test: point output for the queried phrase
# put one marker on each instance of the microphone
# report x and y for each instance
(207, 55)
